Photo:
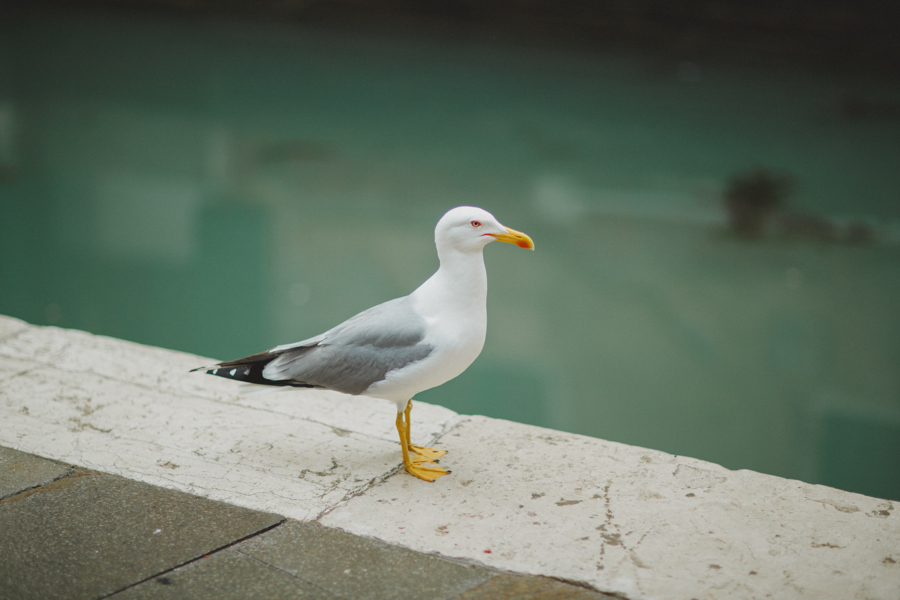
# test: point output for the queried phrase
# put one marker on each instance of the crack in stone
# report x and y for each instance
(365, 487)
(80, 425)
(841, 506)
(327, 473)
(611, 533)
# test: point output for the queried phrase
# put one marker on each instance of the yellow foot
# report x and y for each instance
(425, 454)
(428, 471)
(417, 460)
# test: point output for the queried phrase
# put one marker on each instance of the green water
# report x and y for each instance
(220, 188)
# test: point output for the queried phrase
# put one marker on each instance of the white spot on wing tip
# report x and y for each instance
(232, 372)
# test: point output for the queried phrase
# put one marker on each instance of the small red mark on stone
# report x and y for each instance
(487, 551)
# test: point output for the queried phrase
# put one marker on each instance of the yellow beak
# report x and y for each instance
(515, 237)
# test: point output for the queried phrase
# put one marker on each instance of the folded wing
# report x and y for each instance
(348, 358)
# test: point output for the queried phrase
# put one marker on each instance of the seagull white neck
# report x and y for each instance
(459, 285)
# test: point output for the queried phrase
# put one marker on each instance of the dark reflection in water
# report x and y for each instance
(221, 188)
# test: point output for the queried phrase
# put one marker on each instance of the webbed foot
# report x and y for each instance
(428, 471)
(424, 454)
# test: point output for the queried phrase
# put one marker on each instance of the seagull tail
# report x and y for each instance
(249, 370)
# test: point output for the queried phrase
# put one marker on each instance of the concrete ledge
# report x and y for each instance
(620, 519)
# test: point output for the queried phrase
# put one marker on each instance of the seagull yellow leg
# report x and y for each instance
(422, 469)
(424, 454)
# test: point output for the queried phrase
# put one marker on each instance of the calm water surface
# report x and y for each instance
(221, 188)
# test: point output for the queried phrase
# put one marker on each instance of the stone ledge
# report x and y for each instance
(620, 519)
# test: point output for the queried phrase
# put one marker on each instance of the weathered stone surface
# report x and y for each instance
(11, 367)
(136, 411)
(359, 568)
(136, 364)
(226, 575)
(20, 471)
(250, 457)
(636, 522)
(91, 534)
(10, 326)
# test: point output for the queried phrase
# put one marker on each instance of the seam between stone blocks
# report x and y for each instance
(193, 560)
(584, 586)
(72, 471)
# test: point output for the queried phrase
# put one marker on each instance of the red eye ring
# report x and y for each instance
(475, 223)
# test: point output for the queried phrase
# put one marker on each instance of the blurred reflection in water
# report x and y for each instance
(220, 189)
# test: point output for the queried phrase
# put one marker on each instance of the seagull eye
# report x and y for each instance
(475, 223)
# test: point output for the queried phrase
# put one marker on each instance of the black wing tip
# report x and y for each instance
(236, 373)
(252, 373)
(247, 369)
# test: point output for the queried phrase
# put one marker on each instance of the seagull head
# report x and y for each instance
(469, 229)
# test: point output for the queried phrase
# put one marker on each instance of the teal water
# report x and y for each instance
(220, 188)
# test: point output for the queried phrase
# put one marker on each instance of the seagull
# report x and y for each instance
(404, 346)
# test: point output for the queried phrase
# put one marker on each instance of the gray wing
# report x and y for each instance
(357, 353)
